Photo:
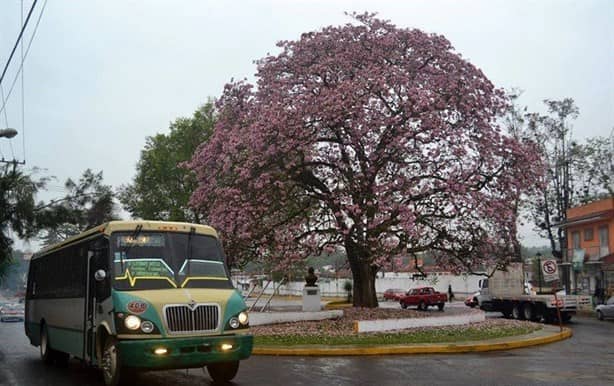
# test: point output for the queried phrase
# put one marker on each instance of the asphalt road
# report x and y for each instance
(585, 359)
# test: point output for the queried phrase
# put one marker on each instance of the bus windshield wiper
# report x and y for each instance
(126, 248)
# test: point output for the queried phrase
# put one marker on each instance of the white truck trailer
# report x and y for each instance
(509, 293)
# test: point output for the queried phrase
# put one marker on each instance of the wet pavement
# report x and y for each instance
(585, 359)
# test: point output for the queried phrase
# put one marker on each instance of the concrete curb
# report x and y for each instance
(548, 334)
(261, 318)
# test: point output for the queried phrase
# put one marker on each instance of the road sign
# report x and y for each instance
(550, 270)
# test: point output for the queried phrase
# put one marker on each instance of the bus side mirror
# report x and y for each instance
(100, 275)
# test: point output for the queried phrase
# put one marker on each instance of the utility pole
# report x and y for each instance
(10, 133)
(539, 270)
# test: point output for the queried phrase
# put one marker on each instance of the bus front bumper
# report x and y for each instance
(176, 353)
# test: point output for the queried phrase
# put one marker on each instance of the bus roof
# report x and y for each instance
(147, 225)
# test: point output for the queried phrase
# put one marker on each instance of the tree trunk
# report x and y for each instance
(363, 274)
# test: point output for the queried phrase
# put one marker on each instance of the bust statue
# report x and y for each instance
(311, 278)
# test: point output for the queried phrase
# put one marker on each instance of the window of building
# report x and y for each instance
(603, 235)
(575, 240)
(588, 234)
(603, 241)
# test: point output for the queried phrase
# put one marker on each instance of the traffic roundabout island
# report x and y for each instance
(379, 331)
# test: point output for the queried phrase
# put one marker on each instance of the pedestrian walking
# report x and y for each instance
(450, 293)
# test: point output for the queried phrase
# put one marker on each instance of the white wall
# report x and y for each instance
(462, 285)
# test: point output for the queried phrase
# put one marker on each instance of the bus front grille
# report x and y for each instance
(183, 319)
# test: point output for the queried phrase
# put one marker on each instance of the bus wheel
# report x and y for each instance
(47, 353)
(110, 363)
(223, 372)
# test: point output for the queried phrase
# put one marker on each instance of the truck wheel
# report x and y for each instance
(549, 317)
(528, 312)
(440, 306)
(517, 312)
(223, 372)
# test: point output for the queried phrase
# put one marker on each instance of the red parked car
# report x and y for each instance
(393, 294)
(423, 298)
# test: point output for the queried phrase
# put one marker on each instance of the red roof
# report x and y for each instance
(591, 217)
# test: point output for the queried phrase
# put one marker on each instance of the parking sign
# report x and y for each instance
(550, 270)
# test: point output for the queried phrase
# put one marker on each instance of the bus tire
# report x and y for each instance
(110, 363)
(223, 372)
(47, 353)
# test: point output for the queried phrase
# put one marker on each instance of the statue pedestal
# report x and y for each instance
(311, 299)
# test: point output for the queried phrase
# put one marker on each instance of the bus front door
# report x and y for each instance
(89, 318)
(97, 290)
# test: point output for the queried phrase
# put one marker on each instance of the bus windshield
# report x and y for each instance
(159, 260)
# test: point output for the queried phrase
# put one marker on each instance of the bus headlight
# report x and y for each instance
(239, 320)
(234, 322)
(147, 327)
(243, 318)
(132, 322)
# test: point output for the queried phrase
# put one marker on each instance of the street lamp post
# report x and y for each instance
(8, 133)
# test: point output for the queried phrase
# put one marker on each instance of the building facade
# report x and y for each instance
(590, 247)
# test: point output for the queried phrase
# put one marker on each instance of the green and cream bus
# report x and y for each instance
(138, 295)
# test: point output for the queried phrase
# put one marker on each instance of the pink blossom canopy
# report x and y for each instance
(369, 137)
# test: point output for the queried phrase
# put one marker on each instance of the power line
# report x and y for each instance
(8, 95)
(17, 42)
(23, 94)
(6, 119)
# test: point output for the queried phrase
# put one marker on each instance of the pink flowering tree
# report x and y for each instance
(379, 140)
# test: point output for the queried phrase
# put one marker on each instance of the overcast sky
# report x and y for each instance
(103, 75)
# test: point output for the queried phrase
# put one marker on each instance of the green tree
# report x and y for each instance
(599, 168)
(162, 188)
(87, 203)
(17, 208)
(576, 173)
(15, 272)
